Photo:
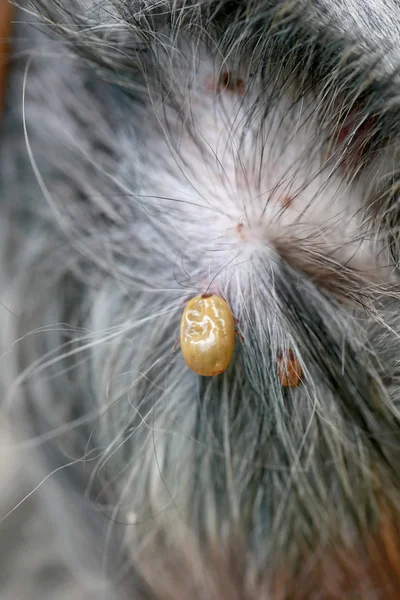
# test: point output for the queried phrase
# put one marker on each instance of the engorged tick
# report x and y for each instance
(207, 335)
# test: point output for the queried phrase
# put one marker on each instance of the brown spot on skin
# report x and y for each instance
(239, 229)
(285, 201)
(227, 82)
(290, 371)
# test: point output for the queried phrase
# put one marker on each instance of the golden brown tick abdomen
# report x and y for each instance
(207, 335)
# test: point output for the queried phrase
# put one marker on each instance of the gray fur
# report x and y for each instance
(116, 209)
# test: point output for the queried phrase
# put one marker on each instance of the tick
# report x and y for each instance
(289, 370)
(207, 335)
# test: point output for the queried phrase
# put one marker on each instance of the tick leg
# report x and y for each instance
(176, 345)
(239, 334)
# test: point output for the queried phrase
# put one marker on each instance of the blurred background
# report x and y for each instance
(31, 564)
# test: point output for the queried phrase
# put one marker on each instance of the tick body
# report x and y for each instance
(207, 335)
(290, 371)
